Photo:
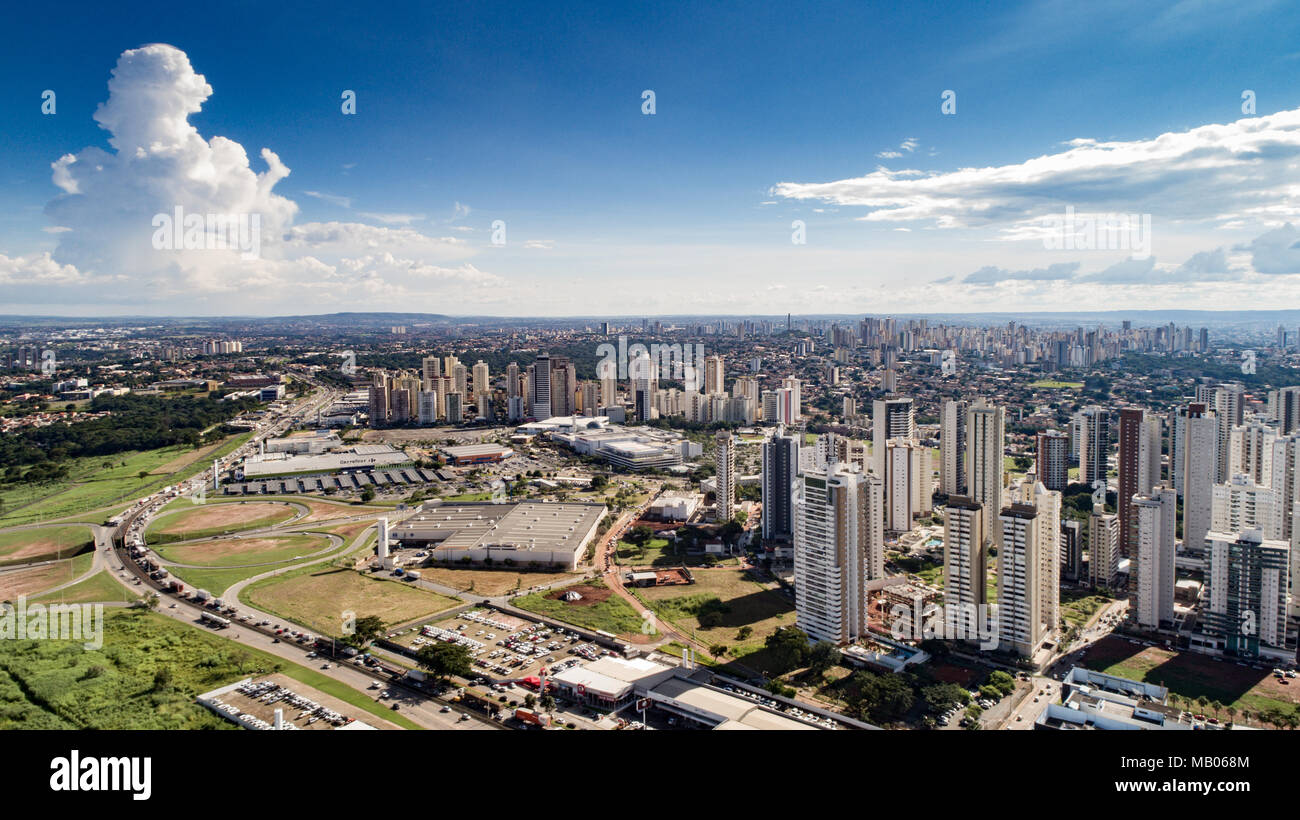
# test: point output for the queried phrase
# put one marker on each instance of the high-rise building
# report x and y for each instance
(985, 443)
(1094, 444)
(512, 380)
(1103, 548)
(563, 386)
(725, 461)
(1241, 504)
(1053, 462)
(1139, 466)
(1229, 410)
(1155, 522)
(427, 407)
(1250, 451)
(1071, 550)
(1199, 457)
(431, 368)
(1022, 558)
(714, 375)
(965, 561)
(1247, 588)
(539, 381)
(890, 418)
(791, 401)
(780, 468)
(838, 550)
(1047, 502)
(455, 407)
(1284, 408)
(952, 448)
(907, 482)
(481, 380)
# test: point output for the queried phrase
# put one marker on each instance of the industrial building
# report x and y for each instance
(528, 533)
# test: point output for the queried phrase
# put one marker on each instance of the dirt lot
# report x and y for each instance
(491, 583)
(738, 601)
(20, 546)
(590, 595)
(324, 510)
(35, 580)
(215, 518)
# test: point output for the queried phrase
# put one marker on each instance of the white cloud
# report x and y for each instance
(392, 219)
(333, 199)
(1248, 169)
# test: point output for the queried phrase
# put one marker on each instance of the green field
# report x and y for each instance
(738, 602)
(99, 587)
(613, 614)
(98, 482)
(1048, 384)
(1077, 607)
(43, 544)
(63, 685)
(318, 596)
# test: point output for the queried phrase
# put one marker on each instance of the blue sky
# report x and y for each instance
(531, 114)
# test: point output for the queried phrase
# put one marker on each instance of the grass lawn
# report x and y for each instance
(98, 588)
(613, 614)
(96, 482)
(63, 685)
(187, 520)
(739, 602)
(1192, 676)
(491, 583)
(1078, 606)
(249, 551)
(44, 543)
(35, 580)
(318, 596)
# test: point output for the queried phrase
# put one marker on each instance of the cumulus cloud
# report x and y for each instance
(1248, 169)
(107, 215)
(1277, 251)
(990, 274)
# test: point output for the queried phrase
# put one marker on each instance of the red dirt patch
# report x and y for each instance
(590, 595)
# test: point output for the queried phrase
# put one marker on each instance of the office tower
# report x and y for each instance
(838, 549)
(792, 401)
(1103, 548)
(539, 380)
(780, 467)
(481, 379)
(1155, 515)
(1247, 583)
(985, 442)
(907, 483)
(1199, 458)
(1053, 462)
(1229, 411)
(428, 407)
(1241, 504)
(431, 368)
(455, 408)
(1094, 444)
(1020, 578)
(725, 461)
(965, 561)
(952, 448)
(563, 386)
(1139, 467)
(1284, 408)
(1071, 550)
(890, 418)
(713, 375)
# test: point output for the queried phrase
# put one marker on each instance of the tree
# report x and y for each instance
(530, 700)
(368, 494)
(788, 647)
(365, 630)
(822, 657)
(744, 632)
(717, 650)
(443, 660)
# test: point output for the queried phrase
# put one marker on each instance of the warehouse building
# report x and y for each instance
(530, 533)
(361, 457)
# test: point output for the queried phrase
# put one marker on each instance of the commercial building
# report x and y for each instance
(360, 457)
(477, 454)
(532, 533)
(1096, 701)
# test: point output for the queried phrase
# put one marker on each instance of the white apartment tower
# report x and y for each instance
(725, 460)
(952, 448)
(1156, 522)
(985, 442)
